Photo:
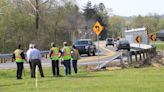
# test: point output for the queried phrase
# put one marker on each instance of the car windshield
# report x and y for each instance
(109, 39)
(124, 42)
(81, 42)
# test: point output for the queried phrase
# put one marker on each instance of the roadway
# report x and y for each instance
(105, 54)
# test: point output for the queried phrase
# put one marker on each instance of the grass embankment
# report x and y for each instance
(126, 80)
(159, 45)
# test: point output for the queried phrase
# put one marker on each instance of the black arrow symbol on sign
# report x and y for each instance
(97, 27)
(153, 37)
(137, 39)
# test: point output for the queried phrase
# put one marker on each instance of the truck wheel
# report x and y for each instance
(94, 53)
(89, 54)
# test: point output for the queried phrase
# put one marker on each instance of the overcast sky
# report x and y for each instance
(130, 7)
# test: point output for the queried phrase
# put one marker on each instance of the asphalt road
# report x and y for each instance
(105, 53)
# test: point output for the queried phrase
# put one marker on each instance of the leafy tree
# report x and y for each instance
(150, 21)
(97, 13)
(117, 24)
(161, 24)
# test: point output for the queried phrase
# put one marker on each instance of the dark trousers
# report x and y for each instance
(19, 69)
(55, 67)
(67, 64)
(74, 64)
(36, 62)
(30, 64)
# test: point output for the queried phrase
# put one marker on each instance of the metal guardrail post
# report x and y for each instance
(144, 51)
(1, 60)
(136, 56)
(46, 56)
(140, 52)
(128, 57)
(12, 60)
(131, 57)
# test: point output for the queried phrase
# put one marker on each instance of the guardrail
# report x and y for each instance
(138, 55)
(145, 55)
(8, 57)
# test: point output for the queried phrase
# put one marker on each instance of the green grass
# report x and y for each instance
(127, 80)
(159, 45)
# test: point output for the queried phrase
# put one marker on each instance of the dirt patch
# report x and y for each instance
(158, 61)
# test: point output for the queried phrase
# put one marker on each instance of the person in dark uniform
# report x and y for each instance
(19, 58)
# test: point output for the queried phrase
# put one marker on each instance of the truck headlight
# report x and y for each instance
(86, 47)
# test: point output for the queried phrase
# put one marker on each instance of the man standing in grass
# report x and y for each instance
(54, 55)
(75, 56)
(28, 57)
(19, 58)
(66, 53)
(35, 58)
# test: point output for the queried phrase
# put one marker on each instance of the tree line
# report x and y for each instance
(45, 21)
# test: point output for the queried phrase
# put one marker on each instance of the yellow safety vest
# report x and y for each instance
(55, 53)
(18, 57)
(67, 53)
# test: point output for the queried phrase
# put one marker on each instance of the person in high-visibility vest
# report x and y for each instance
(54, 55)
(19, 58)
(75, 57)
(66, 53)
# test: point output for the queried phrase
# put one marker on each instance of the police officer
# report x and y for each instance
(66, 53)
(54, 55)
(19, 58)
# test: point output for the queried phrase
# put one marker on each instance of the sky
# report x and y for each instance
(129, 7)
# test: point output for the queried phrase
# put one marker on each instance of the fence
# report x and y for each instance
(142, 56)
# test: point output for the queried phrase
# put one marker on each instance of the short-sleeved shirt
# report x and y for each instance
(35, 54)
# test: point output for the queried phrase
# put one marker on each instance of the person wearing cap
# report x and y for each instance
(35, 58)
(54, 55)
(66, 54)
(19, 58)
(28, 56)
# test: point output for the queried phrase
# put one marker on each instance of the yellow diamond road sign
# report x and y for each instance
(97, 28)
(138, 39)
(153, 37)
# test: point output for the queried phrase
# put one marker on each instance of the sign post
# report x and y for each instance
(97, 28)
